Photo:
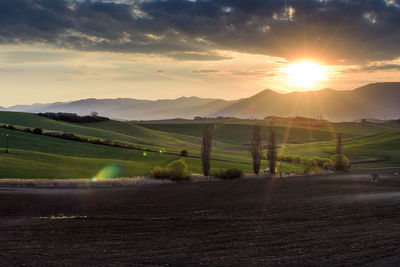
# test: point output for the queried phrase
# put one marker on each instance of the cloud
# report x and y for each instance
(381, 67)
(334, 31)
(37, 56)
(371, 68)
(204, 71)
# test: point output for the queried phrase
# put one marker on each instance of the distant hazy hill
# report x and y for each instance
(133, 109)
(371, 101)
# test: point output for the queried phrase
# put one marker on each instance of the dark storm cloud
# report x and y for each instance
(332, 30)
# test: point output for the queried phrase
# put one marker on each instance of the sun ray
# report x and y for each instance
(304, 74)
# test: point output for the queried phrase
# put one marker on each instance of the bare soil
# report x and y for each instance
(318, 220)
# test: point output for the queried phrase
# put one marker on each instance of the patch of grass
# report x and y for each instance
(230, 142)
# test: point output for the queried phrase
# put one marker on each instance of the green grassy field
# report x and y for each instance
(39, 156)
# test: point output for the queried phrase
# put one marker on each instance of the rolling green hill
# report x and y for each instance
(39, 156)
(383, 145)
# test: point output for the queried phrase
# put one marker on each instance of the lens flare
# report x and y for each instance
(109, 171)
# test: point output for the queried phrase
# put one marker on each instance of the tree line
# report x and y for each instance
(73, 117)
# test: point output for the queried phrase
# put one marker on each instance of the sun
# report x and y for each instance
(304, 74)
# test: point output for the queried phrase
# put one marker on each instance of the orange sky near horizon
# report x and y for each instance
(43, 74)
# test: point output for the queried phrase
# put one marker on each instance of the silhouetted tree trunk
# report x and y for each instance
(206, 150)
(272, 152)
(256, 149)
(339, 149)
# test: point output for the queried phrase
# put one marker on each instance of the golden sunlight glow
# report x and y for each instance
(304, 74)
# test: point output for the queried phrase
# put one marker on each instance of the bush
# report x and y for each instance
(10, 127)
(178, 170)
(27, 130)
(340, 162)
(159, 173)
(37, 131)
(184, 153)
(229, 173)
(288, 159)
(328, 165)
(320, 161)
(310, 165)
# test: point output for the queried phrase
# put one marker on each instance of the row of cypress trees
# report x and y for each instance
(256, 150)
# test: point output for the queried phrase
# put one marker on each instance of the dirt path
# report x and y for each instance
(327, 220)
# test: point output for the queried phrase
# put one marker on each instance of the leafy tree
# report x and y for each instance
(206, 150)
(256, 150)
(184, 153)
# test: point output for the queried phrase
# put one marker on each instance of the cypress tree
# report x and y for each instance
(206, 150)
(339, 149)
(272, 152)
(256, 149)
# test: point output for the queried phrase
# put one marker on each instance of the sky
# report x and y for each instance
(62, 50)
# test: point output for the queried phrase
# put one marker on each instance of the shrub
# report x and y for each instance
(328, 165)
(288, 159)
(11, 127)
(229, 173)
(310, 165)
(37, 131)
(178, 170)
(159, 173)
(27, 130)
(233, 173)
(340, 162)
(320, 161)
(184, 153)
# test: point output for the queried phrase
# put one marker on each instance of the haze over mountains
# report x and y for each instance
(378, 100)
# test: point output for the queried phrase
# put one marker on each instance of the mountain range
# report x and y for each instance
(377, 100)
